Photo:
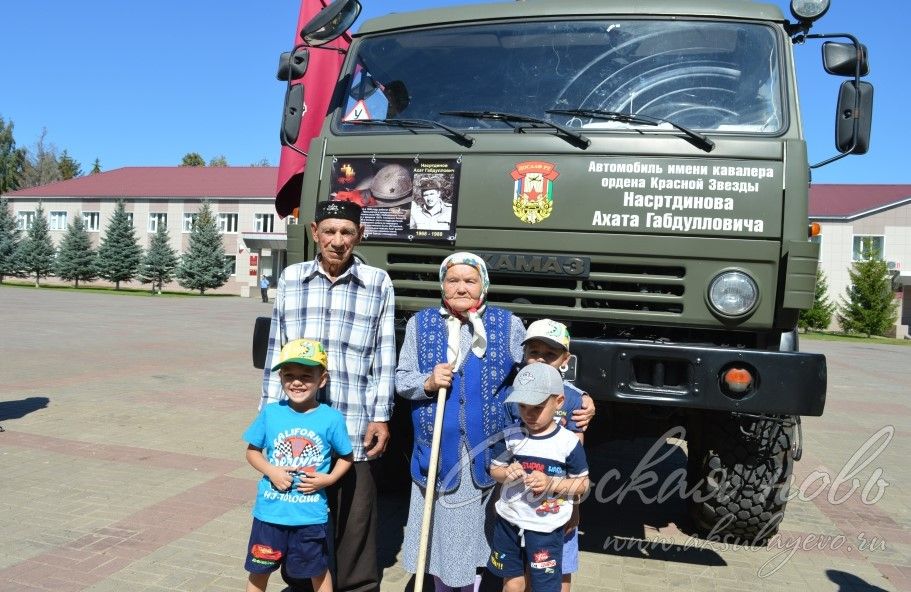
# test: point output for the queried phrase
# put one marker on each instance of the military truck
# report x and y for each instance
(636, 170)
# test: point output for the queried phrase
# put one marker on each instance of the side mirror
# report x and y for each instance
(293, 65)
(331, 22)
(293, 114)
(854, 117)
(841, 59)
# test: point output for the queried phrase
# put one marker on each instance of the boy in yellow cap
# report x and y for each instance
(292, 443)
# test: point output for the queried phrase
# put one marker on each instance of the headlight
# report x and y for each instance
(733, 293)
(809, 10)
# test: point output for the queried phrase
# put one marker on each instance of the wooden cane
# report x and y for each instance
(430, 491)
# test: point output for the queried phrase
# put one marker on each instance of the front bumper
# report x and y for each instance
(785, 383)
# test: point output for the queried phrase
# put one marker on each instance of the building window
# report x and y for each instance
(264, 222)
(130, 218)
(227, 223)
(189, 221)
(290, 220)
(24, 220)
(92, 221)
(156, 220)
(231, 263)
(865, 243)
(58, 220)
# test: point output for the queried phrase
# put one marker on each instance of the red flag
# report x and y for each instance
(319, 82)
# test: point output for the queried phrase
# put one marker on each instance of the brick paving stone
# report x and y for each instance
(126, 472)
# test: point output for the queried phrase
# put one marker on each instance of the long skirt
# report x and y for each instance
(459, 534)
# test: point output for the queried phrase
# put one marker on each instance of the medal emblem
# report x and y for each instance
(533, 195)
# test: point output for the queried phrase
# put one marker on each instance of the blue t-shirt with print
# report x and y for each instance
(572, 400)
(305, 441)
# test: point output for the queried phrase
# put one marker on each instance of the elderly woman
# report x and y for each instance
(486, 343)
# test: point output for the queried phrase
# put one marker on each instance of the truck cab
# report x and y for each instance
(637, 171)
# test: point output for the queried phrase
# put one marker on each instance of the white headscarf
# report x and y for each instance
(454, 320)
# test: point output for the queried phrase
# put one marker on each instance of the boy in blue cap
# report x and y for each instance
(542, 468)
(292, 443)
(547, 341)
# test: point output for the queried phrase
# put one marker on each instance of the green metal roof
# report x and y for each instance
(525, 9)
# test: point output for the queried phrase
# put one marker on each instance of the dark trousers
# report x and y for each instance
(352, 511)
(265, 293)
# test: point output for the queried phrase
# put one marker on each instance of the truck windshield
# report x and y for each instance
(709, 76)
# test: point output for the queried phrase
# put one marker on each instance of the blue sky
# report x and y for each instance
(141, 84)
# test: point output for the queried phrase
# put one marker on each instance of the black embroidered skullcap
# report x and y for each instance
(343, 210)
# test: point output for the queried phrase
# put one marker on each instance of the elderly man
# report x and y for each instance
(349, 307)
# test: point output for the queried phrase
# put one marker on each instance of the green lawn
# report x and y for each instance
(813, 336)
(17, 283)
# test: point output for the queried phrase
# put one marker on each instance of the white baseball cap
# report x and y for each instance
(535, 383)
(549, 331)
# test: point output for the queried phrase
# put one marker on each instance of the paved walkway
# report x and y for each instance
(123, 466)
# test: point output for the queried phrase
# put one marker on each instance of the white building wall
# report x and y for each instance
(898, 246)
(141, 208)
(836, 249)
(835, 257)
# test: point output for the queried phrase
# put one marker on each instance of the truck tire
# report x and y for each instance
(738, 472)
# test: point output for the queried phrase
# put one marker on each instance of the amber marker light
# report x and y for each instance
(738, 380)
(814, 230)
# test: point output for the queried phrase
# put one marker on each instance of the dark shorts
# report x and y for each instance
(303, 549)
(541, 554)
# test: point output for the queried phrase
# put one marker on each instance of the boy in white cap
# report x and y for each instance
(291, 443)
(547, 341)
(543, 468)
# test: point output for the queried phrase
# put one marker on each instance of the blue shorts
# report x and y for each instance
(513, 550)
(571, 552)
(303, 549)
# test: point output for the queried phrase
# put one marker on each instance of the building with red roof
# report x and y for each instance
(242, 199)
(854, 216)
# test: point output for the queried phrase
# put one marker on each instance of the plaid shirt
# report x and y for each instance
(354, 319)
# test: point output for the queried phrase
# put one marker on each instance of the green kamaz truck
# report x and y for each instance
(636, 170)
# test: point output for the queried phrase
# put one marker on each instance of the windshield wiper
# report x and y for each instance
(413, 124)
(574, 138)
(699, 140)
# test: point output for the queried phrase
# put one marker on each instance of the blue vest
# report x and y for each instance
(474, 409)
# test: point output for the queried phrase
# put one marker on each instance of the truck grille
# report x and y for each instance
(610, 286)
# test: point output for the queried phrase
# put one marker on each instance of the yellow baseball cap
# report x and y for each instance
(308, 352)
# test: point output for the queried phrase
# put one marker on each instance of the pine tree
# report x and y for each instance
(818, 316)
(119, 253)
(36, 252)
(868, 305)
(202, 267)
(96, 168)
(76, 257)
(69, 167)
(9, 241)
(160, 261)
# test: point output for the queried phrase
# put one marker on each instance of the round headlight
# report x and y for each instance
(809, 10)
(733, 293)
